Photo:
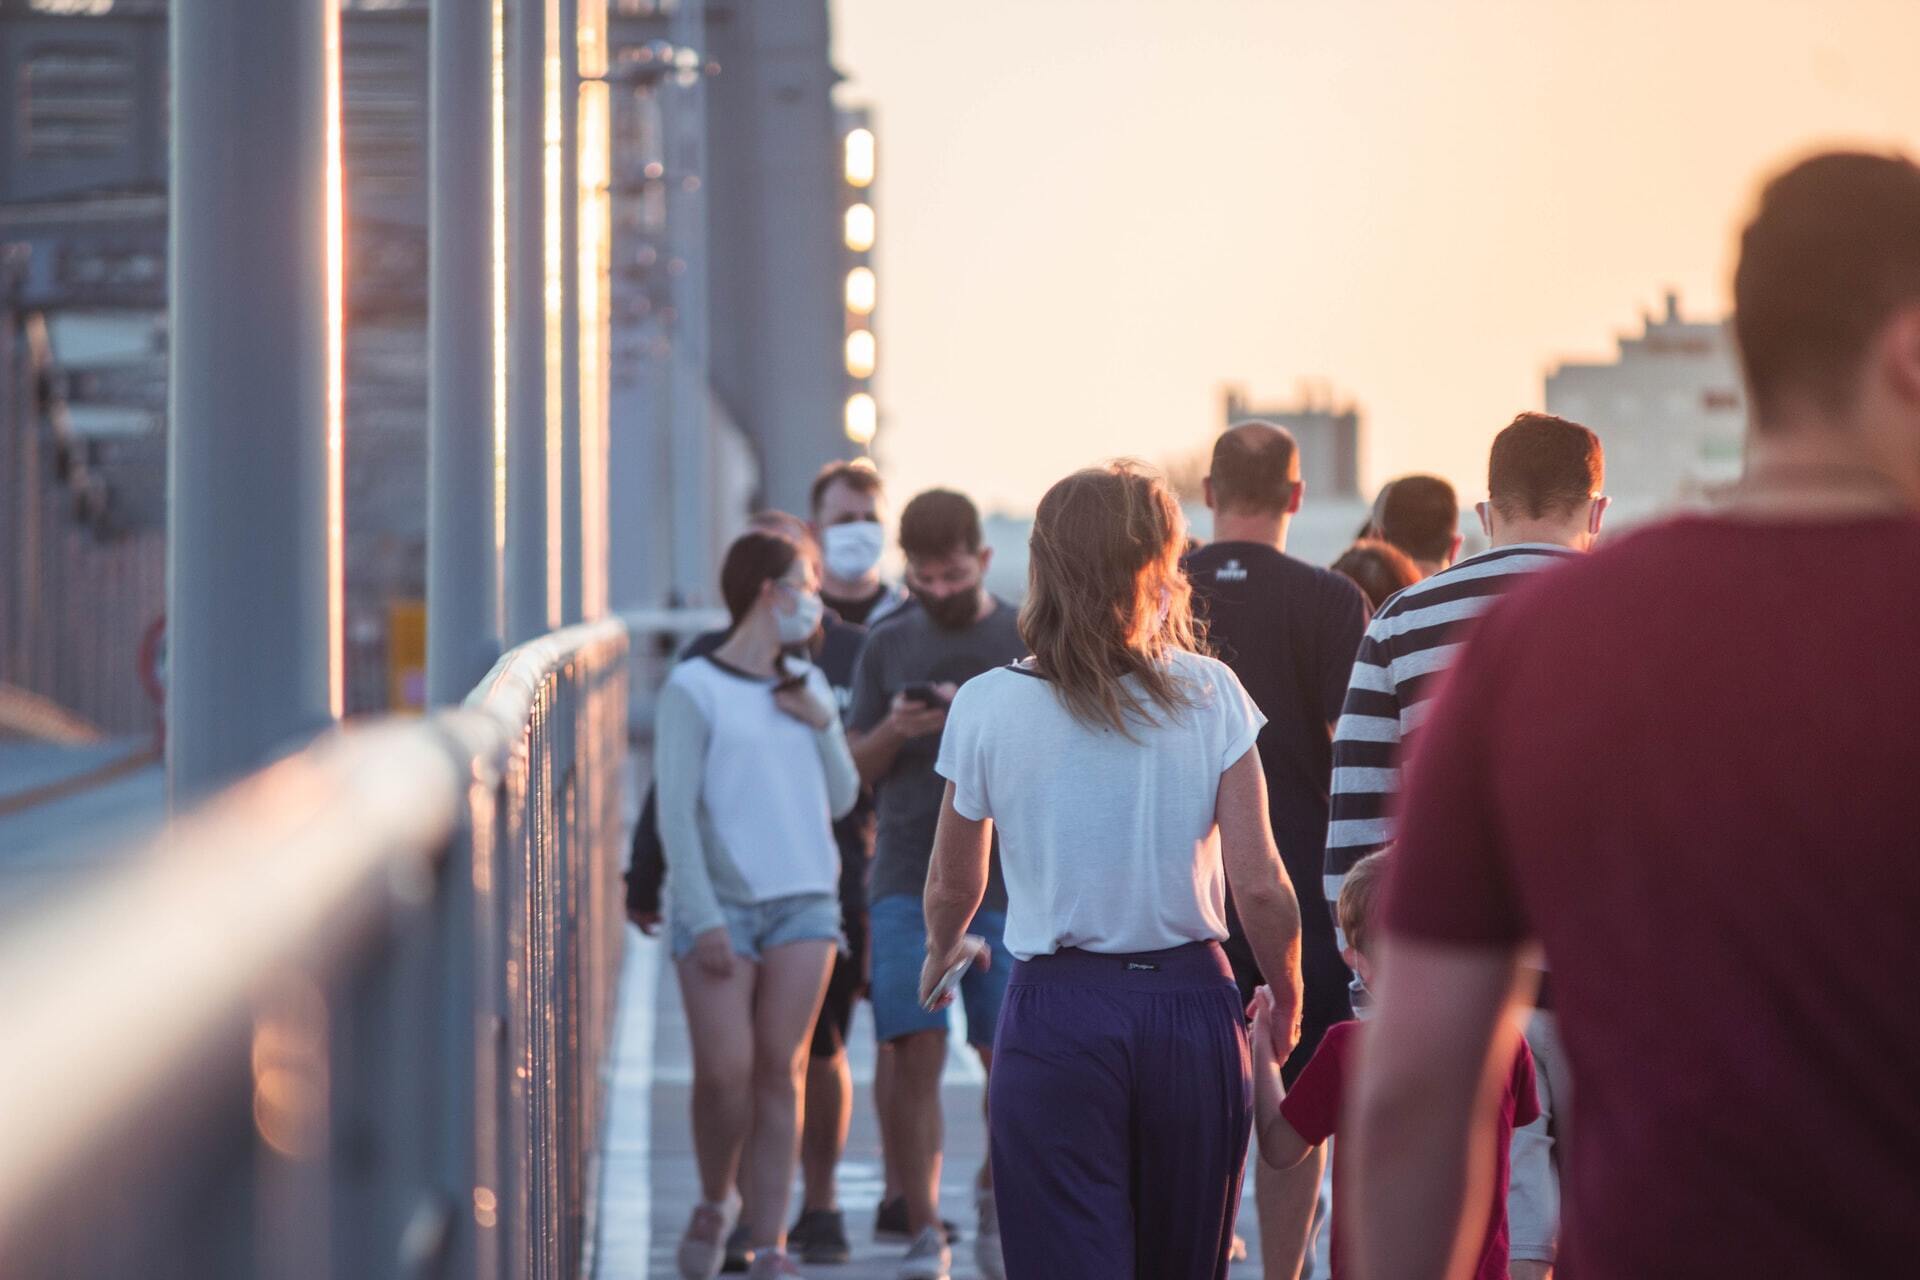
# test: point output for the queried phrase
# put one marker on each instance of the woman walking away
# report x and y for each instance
(1119, 765)
(751, 770)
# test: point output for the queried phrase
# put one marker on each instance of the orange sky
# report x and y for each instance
(1093, 212)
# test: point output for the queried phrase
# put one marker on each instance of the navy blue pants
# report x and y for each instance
(1122, 1095)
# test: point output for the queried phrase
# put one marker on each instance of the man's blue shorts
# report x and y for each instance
(898, 939)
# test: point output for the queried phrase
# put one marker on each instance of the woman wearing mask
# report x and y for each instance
(1118, 765)
(751, 769)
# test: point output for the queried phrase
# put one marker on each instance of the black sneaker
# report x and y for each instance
(820, 1236)
(739, 1250)
(890, 1223)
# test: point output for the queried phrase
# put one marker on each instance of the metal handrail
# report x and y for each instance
(346, 1019)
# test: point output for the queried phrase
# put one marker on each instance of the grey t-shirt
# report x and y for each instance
(909, 649)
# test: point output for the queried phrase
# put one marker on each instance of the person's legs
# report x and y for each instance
(918, 1125)
(883, 1114)
(1192, 1115)
(829, 1114)
(829, 1108)
(915, 1043)
(1061, 1092)
(1285, 1199)
(984, 1178)
(982, 995)
(1533, 1194)
(793, 976)
(720, 1026)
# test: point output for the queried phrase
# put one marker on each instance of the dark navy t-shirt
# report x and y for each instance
(1289, 631)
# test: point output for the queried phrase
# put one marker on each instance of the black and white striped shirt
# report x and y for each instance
(1410, 643)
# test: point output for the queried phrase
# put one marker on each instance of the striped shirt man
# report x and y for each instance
(1412, 640)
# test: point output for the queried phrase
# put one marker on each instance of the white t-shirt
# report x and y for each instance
(1107, 844)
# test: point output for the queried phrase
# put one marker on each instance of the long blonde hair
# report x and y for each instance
(1106, 598)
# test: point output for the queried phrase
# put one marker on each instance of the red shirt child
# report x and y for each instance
(1290, 1124)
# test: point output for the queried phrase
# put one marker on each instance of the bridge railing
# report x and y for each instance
(349, 1019)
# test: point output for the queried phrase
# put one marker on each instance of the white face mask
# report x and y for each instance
(798, 627)
(853, 549)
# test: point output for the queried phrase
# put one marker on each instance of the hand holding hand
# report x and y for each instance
(1268, 1036)
(713, 952)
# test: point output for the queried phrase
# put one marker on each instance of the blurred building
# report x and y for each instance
(1328, 437)
(83, 319)
(1670, 409)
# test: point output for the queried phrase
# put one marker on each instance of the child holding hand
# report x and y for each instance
(1289, 1125)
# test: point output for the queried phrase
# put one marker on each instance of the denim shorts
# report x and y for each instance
(898, 939)
(753, 927)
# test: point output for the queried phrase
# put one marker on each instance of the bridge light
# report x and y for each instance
(862, 352)
(863, 418)
(860, 158)
(860, 227)
(862, 291)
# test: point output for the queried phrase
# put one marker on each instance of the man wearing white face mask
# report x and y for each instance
(849, 510)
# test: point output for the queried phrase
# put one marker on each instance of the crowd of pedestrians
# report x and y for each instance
(1566, 896)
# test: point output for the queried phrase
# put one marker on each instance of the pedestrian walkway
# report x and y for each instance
(650, 1184)
(118, 796)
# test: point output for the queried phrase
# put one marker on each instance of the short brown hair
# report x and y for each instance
(1378, 568)
(859, 475)
(938, 523)
(1255, 468)
(1358, 894)
(1541, 465)
(1831, 254)
(1418, 514)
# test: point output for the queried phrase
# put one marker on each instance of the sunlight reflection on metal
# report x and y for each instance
(336, 373)
(596, 304)
(498, 108)
(289, 1061)
(553, 295)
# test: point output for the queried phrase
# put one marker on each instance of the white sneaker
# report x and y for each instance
(704, 1246)
(928, 1257)
(986, 1241)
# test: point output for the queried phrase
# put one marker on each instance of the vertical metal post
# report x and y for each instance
(529, 546)
(571, 527)
(694, 534)
(463, 562)
(254, 510)
(595, 160)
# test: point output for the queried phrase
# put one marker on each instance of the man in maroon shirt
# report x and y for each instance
(1688, 767)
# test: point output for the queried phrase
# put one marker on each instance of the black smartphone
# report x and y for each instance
(926, 695)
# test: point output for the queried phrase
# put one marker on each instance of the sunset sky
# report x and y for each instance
(1092, 213)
